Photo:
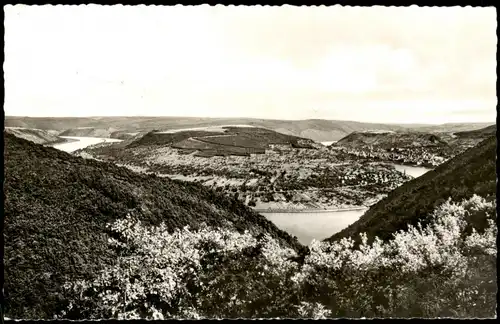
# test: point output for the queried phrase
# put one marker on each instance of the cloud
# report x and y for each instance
(269, 62)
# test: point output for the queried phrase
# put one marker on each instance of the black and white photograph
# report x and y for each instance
(249, 162)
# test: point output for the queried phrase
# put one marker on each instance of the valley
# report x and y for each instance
(269, 171)
(289, 179)
(201, 162)
(225, 186)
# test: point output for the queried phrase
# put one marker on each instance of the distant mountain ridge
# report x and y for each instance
(57, 207)
(479, 133)
(472, 172)
(319, 130)
(451, 127)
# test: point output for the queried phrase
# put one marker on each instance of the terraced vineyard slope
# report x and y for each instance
(262, 168)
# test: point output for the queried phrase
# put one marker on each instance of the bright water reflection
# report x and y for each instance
(320, 225)
(82, 142)
(414, 171)
(314, 225)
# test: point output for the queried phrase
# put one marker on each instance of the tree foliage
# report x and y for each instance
(437, 270)
(57, 206)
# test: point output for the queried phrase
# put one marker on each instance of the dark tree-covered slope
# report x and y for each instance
(479, 133)
(57, 207)
(472, 172)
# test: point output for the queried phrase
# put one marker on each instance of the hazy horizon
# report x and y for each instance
(197, 117)
(390, 65)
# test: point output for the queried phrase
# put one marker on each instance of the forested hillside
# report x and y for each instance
(57, 207)
(472, 172)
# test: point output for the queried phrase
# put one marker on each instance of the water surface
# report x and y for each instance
(414, 171)
(81, 142)
(314, 225)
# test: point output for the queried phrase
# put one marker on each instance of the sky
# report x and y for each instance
(371, 64)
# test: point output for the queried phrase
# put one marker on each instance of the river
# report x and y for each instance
(306, 226)
(328, 143)
(414, 171)
(314, 225)
(322, 224)
(81, 142)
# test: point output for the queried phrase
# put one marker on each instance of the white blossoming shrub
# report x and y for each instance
(187, 274)
(315, 311)
(420, 272)
(85, 155)
(446, 268)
